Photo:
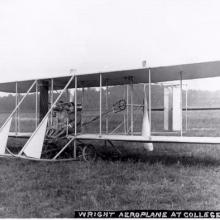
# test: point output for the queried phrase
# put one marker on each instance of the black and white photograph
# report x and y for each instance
(109, 109)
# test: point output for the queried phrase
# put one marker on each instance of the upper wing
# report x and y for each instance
(121, 77)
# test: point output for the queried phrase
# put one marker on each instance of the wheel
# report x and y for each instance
(89, 153)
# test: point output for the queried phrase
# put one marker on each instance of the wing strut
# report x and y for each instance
(33, 147)
(4, 130)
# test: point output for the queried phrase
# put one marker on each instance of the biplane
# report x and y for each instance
(59, 129)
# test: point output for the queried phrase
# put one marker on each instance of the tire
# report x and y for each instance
(89, 153)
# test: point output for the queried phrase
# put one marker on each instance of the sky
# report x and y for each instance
(46, 38)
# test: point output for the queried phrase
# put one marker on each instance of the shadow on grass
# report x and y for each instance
(153, 158)
(168, 157)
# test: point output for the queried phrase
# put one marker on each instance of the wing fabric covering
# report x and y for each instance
(33, 148)
(4, 132)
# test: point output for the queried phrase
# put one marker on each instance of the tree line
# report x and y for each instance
(196, 98)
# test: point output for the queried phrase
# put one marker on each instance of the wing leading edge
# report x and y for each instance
(121, 77)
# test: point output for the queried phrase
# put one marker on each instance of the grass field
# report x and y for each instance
(171, 177)
(31, 189)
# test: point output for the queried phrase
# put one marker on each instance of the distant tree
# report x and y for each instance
(91, 98)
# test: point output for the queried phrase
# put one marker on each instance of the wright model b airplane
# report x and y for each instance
(59, 134)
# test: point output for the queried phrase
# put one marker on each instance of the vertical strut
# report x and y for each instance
(16, 103)
(19, 114)
(124, 114)
(100, 105)
(106, 107)
(75, 105)
(132, 108)
(75, 145)
(51, 100)
(186, 107)
(149, 97)
(145, 93)
(127, 96)
(82, 103)
(82, 96)
(181, 104)
(36, 105)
